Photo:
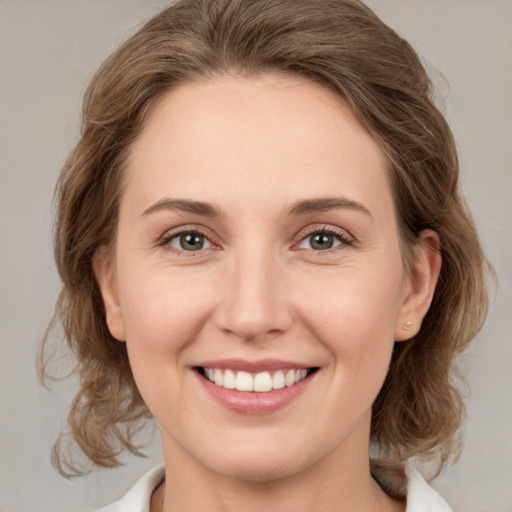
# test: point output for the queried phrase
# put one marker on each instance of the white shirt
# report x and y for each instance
(420, 496)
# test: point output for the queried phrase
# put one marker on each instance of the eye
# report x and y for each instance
(323, 240)
(190, 241)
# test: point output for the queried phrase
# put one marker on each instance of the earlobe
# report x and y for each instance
(105, 276)
(420, 285)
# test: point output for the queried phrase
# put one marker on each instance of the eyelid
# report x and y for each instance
(343, 235)
(163, 241)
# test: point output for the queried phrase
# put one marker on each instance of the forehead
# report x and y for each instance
(253, 137)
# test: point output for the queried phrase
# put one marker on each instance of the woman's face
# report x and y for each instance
(257, 237)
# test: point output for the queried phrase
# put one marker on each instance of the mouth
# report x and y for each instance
(255, 387)
(255, 382)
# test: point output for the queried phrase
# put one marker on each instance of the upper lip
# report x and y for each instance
(261, 365)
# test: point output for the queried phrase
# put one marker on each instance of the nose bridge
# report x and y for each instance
(254, 304)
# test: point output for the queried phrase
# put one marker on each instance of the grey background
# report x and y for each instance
(48, 52)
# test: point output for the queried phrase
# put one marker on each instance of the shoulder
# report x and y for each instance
(407, 482)
(137, 499)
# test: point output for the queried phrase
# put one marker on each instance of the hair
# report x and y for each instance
(344, 46)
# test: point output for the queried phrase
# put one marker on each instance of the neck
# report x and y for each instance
(336, 483)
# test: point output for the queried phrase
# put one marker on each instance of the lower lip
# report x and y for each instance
(254, 403)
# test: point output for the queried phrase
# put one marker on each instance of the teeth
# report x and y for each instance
(229, 380)
(244, 381)
(278, 380)
(261, 382)
(289, 380)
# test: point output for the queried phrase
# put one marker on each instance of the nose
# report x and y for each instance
(254, 303)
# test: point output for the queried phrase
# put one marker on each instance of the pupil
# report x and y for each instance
(322, 241)
(191, 242)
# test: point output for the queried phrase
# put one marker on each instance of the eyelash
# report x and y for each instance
(166, 239)
(342, 236)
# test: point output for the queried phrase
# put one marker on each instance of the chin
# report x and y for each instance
(257, 467)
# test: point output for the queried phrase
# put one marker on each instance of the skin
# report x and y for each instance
(253, 148)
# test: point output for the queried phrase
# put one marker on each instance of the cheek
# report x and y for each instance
(163, 314)
(354, 299)
(162, 308)
(353, 313)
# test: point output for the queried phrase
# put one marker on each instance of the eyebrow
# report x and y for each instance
(184, 205)
(302, 207)
(322, 204)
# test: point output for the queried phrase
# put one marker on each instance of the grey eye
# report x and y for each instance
(190, 242)
(320, 241)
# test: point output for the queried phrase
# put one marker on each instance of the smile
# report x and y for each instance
(261, 382)
(255, 387)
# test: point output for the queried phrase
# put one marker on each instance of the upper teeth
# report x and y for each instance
(259, 382)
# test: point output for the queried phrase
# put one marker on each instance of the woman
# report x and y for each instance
(263, 246)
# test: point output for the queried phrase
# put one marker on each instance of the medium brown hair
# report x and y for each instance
(342, 45)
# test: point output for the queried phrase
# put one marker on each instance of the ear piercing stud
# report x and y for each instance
(406, 325)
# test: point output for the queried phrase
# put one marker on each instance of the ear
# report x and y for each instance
(105, 276)
(419, 285)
